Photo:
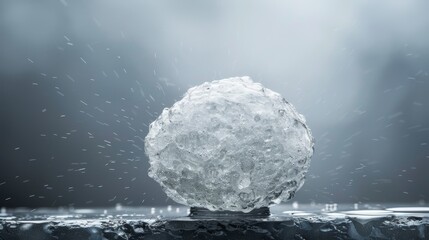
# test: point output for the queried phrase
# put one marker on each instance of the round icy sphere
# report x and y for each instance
(229, 144)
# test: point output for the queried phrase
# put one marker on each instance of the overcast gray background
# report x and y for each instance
(81, 80)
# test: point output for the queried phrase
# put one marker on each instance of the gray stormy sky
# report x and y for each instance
(81, 80)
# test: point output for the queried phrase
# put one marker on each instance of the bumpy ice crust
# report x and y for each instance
(229, 144)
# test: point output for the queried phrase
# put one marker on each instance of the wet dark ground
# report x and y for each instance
(292, 221)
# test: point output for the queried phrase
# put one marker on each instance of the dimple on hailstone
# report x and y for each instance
(229, 144)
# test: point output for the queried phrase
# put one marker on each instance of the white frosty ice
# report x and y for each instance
(229, 144)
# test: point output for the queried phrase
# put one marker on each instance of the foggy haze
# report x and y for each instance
(81, 81)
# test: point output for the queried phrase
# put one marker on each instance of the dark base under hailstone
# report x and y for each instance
(284, 222)
(204, 213)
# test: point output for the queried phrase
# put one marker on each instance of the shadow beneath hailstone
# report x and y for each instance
(202, 213)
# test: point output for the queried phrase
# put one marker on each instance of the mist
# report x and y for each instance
(81, 81)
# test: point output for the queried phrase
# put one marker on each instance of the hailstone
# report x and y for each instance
(229, 144)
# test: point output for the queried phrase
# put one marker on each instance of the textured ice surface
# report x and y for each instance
(229, 145)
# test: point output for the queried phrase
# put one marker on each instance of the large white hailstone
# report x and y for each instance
(229, 144)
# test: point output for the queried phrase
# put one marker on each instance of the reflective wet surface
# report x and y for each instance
(292, 221)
